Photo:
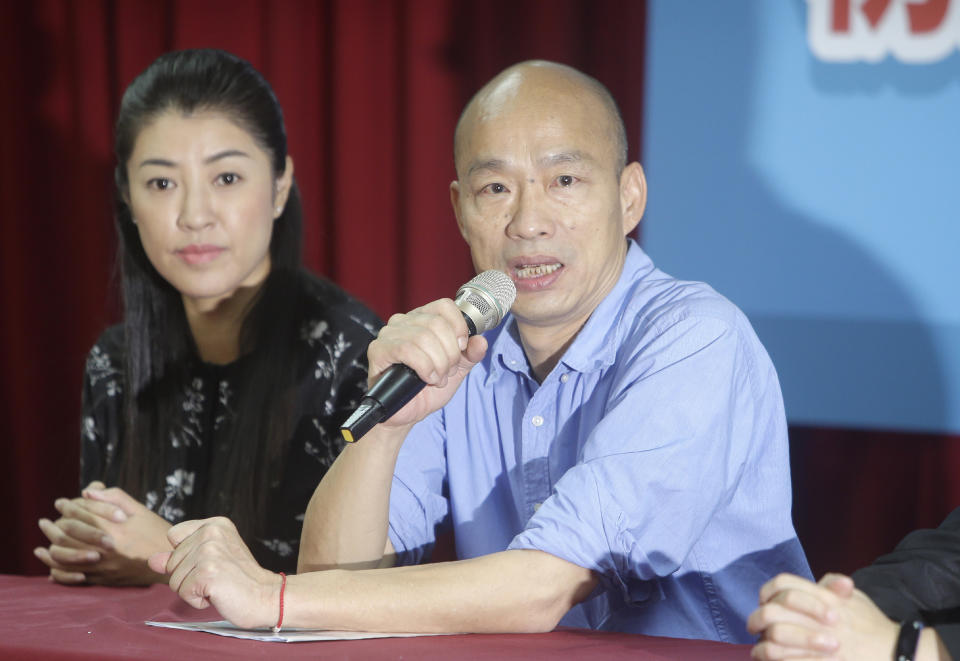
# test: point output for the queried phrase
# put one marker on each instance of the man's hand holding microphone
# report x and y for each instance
(416, 364)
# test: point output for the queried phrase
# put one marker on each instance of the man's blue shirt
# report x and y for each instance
(655, 454)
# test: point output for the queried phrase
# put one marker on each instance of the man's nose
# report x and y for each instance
(195, 211)
(532, 216)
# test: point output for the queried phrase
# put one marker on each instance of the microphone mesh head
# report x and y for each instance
(487, 298)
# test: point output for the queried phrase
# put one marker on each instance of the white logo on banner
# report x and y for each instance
(914, 31)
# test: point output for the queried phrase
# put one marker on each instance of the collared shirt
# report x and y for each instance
(655, 454)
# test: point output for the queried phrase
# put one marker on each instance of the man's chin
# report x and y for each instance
(541, 308)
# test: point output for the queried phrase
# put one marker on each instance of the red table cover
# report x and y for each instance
(40, 620)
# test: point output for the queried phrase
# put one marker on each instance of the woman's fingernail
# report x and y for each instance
(107, 543)
(433, 377)
(93, 556)
(825, 642)
(119, 515)
(462, 342)
(37, 552)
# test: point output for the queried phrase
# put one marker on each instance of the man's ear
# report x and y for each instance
(633, 196)
(455, 202)
(283, 185)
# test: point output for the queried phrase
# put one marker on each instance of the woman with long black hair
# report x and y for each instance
(222, 391)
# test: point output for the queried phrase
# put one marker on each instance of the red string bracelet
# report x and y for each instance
(283, 586)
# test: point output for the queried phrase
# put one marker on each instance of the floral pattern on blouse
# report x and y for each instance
(333, 343)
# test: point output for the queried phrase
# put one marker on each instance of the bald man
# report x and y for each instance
(613, 456)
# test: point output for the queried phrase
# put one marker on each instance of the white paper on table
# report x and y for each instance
(224, 628)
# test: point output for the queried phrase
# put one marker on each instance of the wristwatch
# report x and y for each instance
(907, 640)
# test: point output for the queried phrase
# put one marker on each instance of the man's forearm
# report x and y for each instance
(510, 591)
(345, 524)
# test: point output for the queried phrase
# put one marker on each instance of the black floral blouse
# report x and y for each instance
(334, 340)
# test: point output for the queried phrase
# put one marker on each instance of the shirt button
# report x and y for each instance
(537, 420)
(536, 506)
(564, 377)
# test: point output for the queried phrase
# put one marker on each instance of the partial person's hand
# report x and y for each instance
(104, 537)
(433, 341)
(210, 565)
(830, 619)
(74, 543)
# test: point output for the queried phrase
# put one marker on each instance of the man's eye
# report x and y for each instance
(228, 178)
(494, 188)
(566, 180)
(160, 183)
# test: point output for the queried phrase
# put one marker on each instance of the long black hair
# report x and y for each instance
(160, 352)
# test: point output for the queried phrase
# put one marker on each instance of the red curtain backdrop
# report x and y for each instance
(371, 90)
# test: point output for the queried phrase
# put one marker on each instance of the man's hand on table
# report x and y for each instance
(210, 565)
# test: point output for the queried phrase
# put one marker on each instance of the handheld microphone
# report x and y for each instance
(483, 302)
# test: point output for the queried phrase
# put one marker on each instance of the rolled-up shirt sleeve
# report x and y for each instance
(669, 450)
(418, 507)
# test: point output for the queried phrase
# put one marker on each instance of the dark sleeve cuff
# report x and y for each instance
(950, 635)
(921, 574)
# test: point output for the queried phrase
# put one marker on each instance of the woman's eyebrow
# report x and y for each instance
(226, 153)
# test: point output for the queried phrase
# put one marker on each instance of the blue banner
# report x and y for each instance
(804, 159)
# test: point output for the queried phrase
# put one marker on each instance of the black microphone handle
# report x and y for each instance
(397, 386)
